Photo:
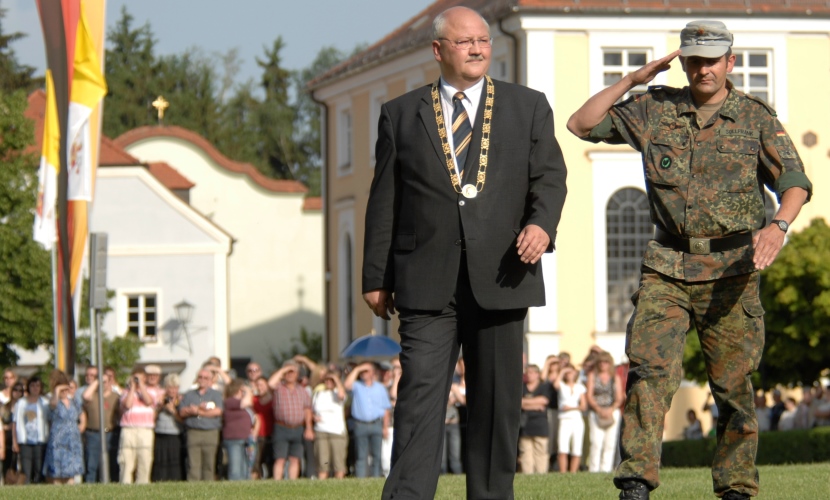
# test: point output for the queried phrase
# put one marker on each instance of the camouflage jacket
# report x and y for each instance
(704, 182)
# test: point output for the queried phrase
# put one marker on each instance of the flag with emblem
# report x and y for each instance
(88, 88)
(47, 176)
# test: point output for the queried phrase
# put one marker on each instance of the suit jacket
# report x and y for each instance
(415, 220)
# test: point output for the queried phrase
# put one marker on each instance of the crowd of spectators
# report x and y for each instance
(304, 419)
(310, 420)
(813, 410)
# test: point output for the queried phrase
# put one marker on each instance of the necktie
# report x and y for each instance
(462, 131)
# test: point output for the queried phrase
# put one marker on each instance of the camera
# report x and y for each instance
(135, 380)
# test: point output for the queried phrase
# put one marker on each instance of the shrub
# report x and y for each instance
(774, 448)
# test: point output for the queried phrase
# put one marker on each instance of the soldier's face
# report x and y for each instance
(707, 76)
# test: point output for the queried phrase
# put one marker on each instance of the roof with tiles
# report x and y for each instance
(109, 155)
(417, 32)
(169, 176)
(144, 133)
(313, 204)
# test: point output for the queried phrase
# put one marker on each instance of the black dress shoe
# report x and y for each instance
(735, 495)
(634, 490)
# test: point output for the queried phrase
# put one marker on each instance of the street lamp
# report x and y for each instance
(184, 313)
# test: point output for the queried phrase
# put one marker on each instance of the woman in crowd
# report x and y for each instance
(331, 440)
(30, 430)
(571, 432)
(64, 451)
(605, 395)
(237, 428)
(7, 414)
(533, 440)
(9, 380)
(451, 460)
(264, 410)
(693, 430)
(167, 455)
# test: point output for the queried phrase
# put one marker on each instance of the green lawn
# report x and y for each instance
(777, 482)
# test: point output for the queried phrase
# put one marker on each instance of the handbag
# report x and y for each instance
(604, 422)
(13, 476)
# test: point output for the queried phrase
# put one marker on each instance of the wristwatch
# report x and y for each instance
(782, 224)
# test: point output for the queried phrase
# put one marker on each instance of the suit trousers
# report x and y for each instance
(492, 349)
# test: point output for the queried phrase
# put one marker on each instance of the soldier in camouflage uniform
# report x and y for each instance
(708, 150)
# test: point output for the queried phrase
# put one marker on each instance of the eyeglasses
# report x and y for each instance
(466, 43)
(252, 370)
(17, 389)
(204, 377)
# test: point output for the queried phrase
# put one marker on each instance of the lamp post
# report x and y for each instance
(184, 313)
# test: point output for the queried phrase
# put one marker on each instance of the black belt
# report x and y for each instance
(702, 246)
(370, 421)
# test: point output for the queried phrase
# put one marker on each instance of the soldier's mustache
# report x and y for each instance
(475, 58)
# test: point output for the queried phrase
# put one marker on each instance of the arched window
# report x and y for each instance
(629, 230)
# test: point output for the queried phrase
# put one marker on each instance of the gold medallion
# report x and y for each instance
(469, 191)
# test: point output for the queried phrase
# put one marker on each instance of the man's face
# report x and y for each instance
(204, 379)
(153, 379)
(253, 371)
(291, 375)
(707, 76)
(460, 65)
(91, 375)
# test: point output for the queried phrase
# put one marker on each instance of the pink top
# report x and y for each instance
(140, 415)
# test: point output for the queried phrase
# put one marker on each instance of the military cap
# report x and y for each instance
(705, 39)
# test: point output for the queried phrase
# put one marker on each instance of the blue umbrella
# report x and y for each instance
(371, 347)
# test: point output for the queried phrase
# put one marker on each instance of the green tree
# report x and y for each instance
(307, 129)
(130, 71)
(795, 292)
(189, 83)
(121, 353)
(694, 366)
(276, 117)
(13, 75)
(25, 267)
(308, 344)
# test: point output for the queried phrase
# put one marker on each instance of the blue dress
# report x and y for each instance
(64, 451)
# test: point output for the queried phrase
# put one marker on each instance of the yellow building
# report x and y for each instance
(570, 49)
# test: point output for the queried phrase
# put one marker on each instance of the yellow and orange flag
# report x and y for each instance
(45, 230)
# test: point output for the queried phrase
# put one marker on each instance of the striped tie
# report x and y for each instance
(462, 132)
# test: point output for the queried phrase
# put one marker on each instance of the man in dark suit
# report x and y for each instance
(457, 250)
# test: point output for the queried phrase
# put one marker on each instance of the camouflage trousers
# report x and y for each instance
(729, 319)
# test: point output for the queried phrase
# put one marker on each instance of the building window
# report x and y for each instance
(752, 73)
(349, 286)
(628, 231)
(377, 104)
(345, 142)
(141, 316)
(617, 62)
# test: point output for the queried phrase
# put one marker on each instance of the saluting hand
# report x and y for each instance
(532, 243)
(652, 69)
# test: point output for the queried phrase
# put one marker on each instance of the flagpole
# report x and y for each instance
(55, 302)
